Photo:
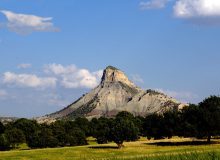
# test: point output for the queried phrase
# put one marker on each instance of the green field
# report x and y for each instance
(140, 150)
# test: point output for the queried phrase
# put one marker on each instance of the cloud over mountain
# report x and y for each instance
(73, 77)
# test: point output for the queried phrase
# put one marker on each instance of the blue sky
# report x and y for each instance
(53, 51)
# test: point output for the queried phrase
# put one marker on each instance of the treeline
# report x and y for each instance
(199, 121)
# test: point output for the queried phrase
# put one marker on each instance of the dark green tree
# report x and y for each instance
(123, 129)
(209, 117)
(43, 138)
(59, 132)
(153, 126)
(139, 122)
(15, 137)
(93, 126)
(2, 128)
(69, 125)
(4, 144)
(189, 120)
(125, 115)
(83, 124)
(76, 137)
(101, 130)
(27, 126)
(170, 124)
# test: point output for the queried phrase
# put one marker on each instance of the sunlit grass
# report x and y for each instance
(139, 150)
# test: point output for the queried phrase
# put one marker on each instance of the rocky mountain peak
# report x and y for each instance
(114, 94)
(112, 74)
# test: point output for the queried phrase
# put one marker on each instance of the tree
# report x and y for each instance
(153, 126)
(189, 119)
(15, 137)
(27, 126)
(76, 137)
(43, 138)
(4, 144)
(2, 128)
(83, 124)
(210, 117)
(69, 125)
(93, 126)
(58, 129)
(139, 122)
(125, 115)
(170, 124)
(101, 130)
(123, 129)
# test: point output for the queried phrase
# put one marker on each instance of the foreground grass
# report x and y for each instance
(141, 150)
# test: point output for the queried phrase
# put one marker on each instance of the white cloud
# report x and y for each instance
(28, 80)
(26, 24)
(72, 77)
(59, 69)
(81, 78)
(197, 8)
(137, 78)
(24, 65)
(183, 96)
(153, 4)
(199, 12)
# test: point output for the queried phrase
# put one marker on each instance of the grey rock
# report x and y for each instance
(115, 93)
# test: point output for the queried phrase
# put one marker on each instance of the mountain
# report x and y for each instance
(115, 93)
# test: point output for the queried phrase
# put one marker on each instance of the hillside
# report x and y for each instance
(115, 93)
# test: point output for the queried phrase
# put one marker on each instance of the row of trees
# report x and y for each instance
(60, 133)
(200, 121)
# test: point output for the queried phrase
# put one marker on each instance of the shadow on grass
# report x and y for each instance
(187, 143)
(103, 147)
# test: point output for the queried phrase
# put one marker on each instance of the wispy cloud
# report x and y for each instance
(137, 78)
(183, 96)
(26, 23)
(28, 80)
(24, 66)
(153, 4)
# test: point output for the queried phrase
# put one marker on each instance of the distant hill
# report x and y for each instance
(115, 93)
(6, 120)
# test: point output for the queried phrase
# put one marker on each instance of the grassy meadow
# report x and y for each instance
(143, 149)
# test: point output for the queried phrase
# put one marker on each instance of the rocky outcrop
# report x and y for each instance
(115, 93)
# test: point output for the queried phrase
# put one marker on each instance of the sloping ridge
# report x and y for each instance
(115, 93)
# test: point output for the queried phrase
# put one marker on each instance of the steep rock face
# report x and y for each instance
(115, 93)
